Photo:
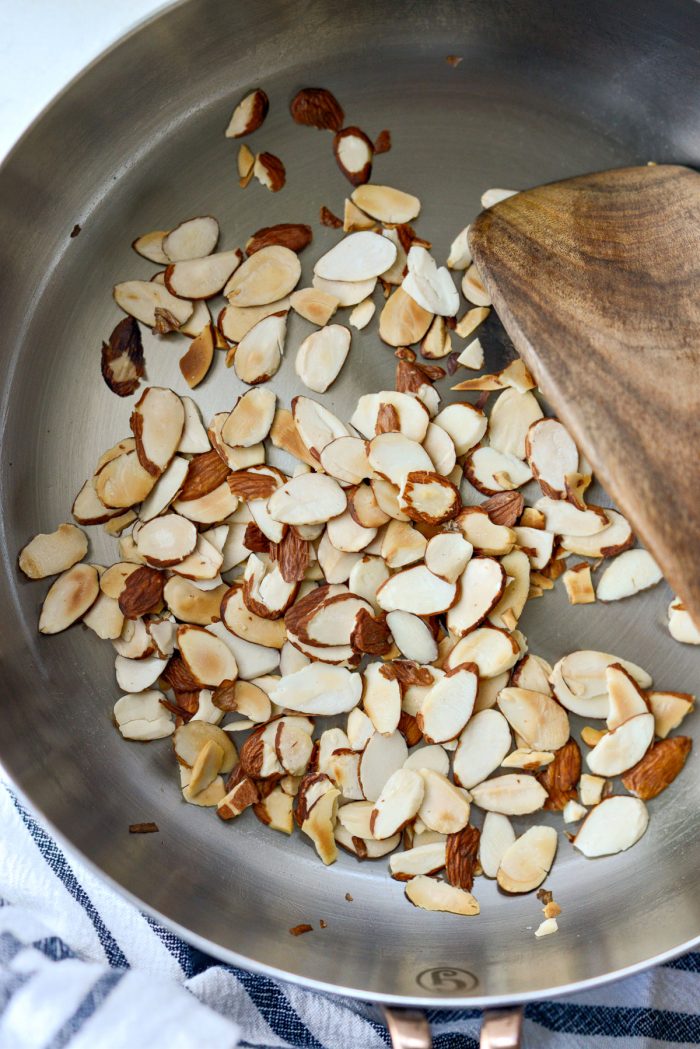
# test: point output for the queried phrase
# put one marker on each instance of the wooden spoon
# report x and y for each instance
(597, 281)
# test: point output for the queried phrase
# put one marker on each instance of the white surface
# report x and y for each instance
(44, 43)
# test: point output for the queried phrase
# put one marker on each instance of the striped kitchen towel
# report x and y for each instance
(82, 968)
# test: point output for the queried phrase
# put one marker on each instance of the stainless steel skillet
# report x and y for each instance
(546, 89)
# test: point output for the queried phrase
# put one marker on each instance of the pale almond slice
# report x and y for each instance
(537, 543)
(150, 246)
(448, 705)
(669, 709)
(358, 257)
(189, 740)
(69, 598)
(345, 458)
(398, 803)
(105, 618)
(527, 862)
(235, 457)
(250, 421)
(264, 277)
(202, 278)
(535, 717)
(630, 572)
(165, 489)
(486, 537)
(580, 685)
(366, 576)
(418, 591)
(412, 636)
(382, 756)
(121, 483)
(248, 114)
(360, 730)
(207, 658)
(164, 635)
(625, 697)
(616, 824)
(249, 700)
(144, 300)
(611, 540)
(495, 196)
(619, 750)
(189, 603)
(192, 239)
(259, 353)
(591, 788)
(317, 425)
(432, 895)
(137, 675)
(507, 612)
(246, 624)
(88, 509)
(381, 698)
(166, 540)
(445, 807)
(511, 795)
(491, 648)
(135, 641)
(143, 717)
(319, 690)
(335, 564)
(157, 422)
(333, 621)
(510, 420)
(211, 508)
(440, 447)
(465, 423)
(365, 848)
(473, 287)
(402, 321)
(253, 660)
(362, 314)
(421, 859)
(314, 305)
(552, 455)
(390, 206)
(347, 535)
(386, 496)
(564, 519)
(200, 319)
(481, 585)
(430, 286)
(393, 456)
(483, 744)
(497, 835)
(332, 655)
(321, 356)
(50, 553)
(427, 496)
(345, 292)
(293, 746)
(447, 555)
(460, 255)
(491, 471)
(473, 355)
(265, 590)
(680, 624)
(395, 273)
(307, 499)
(573, 812)
(532, 673)
(193, 440)
(235, 322)
(413, 417)
(431, 757)
(488, 691)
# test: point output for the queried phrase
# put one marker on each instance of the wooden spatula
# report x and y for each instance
(597, 282)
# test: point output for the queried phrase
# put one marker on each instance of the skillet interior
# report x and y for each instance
(546, 89)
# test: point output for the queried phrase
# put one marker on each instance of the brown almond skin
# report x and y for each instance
(409, 729)
(293, 235)
(560, 777)
(357, 178)
(292, 555)
(248, 484)
(387, 419)
(410, 377)
(205, 473)
(244, 794)
(658, 768)
(256, 540)
(327, 218)
(416, 477)
(258, 112)
(382, 143)
(462, 854)
(275, 171)
(504, 508)
(317, 107)
(124, 344)
(371, 634)
(142, 593)
(178, 676)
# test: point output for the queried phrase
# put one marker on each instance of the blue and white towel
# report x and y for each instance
(81, 968)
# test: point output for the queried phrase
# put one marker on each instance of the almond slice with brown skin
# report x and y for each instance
(157, 422)
(165, 489)
(625, 697)
(445, 807)
(345, 534)
(510, 420)
(429, 497)
(333, 621)
(314, 305)
(403, 321)
(317, 425)
(88, 509)
(537, 543)
(630, 572)
(412, 636)
(50, 553)
(492, 472)
(166, 540)
(564, 519)
(381, 757)
(432, 895)
(680, 624)
(486, 537)
(552, 454)
(579, 681)
(346, 459)
(122, 360)
(190, 739)
(507, 612)
(293, 235)
(150, 246)
(619, 750)
(207, 658)
(390, 206)
(357, 257)
(248, 115)
(193, 239)
(448, 705)
(366, 577)
(511, 795)
(346, 293)
(123, 482)
(483, 744)
(241, 621)
(321, 356)
(354, 219)
(211, 508)
(293, 746)
(393, 456)
(195, 363)
(354, 151)
(528, 861)
(265, 277)
(421, 859)
(386, 496)
(105, 618)
(447, 555)
(669, 709)
(202, 278)
(473, 288)
(535, 717)
(259, 354)
(611, 540)
(613, 826)
(235, 322)
(69, 598)
(398, 803)
(440, 447)
(658, 768)
(418, 591)
(143, 717)
(465, 424)
(269, 171)
(402, 545)
(250, 421)
(533, 673)
(194, 439)
(413, 417)
(481, 585)
(142, 298)
(318, 690)
(134, 642)
(265, 590)
(381, 699)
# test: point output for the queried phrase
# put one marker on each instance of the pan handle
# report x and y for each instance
(409, 1029)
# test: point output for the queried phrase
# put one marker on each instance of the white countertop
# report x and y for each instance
(44, 43)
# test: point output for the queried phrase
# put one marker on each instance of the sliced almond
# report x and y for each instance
(491, 648)
(486, 537)
(122, 482)
(427, 496)
(137, 675)
(398, 803)
(482, 746)
(143, 299)
(269, 171)
(481, 585)
(495, 196)
(69, 598)
(362, 314)
(321, 356)
(511, 795)
(207, 658)
(611, 540)
(532, 673)
(511, 418)
(412, 636)
(346, 459)
(150, 246)
(412, 415)
(423, 859)
(251, 419)
(626, 699)
(345, 293)
(347, 535)
(630, 572)
(393, 456)
(418, 591)
(465, 424)
(614, 825)
(403, 321)
(332, 621)
(445, 807)
(167, 540)
(448, 705)
(353, 151)
(473, 288)
(49, 554)
(432, 895)
(235, 322)
(248, 114)
(307, 499)
(381, 699)
(497, 835)
(241, 621)
(358, 257)
(491, 471)
(143, 717)
(318, 689)
(447, 555)
(680, 624)
(535, 717)
(591, 788)
(619, 750)
(194, 438)
(192, 239)
(580, 685)
(431, 287)
(512, 602)
(314, 305)
(317, 425)
(390, 206)
(530, 760)
(382, 756)
(669, 709)
(157, 422)
(527, 862)
(265, 277)
(552, 455)
(537, 543)
(202, 278)
(259, 353)
(564, 519)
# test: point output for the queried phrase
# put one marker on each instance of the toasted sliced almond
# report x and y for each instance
(192, 239)
(332, 621)
(591, 788)
(318, 689)
(497, 835)
(251, 419)
(49, 554)
(393, 456)
(669, 709)
(165, 489)
(527, 862)
(202, 278)
(473, 288)
(482, 747)
(535, 717)
(564, 519)
(403, 321)
(611, 540)
(614, 825)
(473, 355)
(122, 482)
(143, 717)
(465, 424)
(307, 499)
(353, 151)
(486, 537)
(413, 418)
(143, 299)
(491, 648)
(259, 353)
(137, 675)
(157, 422)
(447, 555)
(511, 418)
(532, 673)
(390, 206)
(430, 757)
(196, 362)
(135, 641)
(88, 509)
(398, 803)
(346, 459)
(619, 750)
(265, 277)
(412, 636)
(347, 535)
(314, 305)
(481, 585)
(630, 572)
(345, 293)
(105, 618)
(150, 246)
(236, 321)
(626, 699)
(69, 598)
(680, 624)
(418, 591)
(507, 612)
(423, 859)
(167, 540)
(207, 658)
(241, 621)
(194, 439)
(321, 356)
(317, 426)
(552, 455)
(245, 162)
(537, 543)
(511, 795)
(580, 685)
(448, 705)
(248, 114)
(433, 895)
(269, 171)
(427, 496)
(445, 807)
(431, 287)
(491, 471)
(530, 760)
(190, 739)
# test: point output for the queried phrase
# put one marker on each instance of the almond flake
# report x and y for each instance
(591, 788)
(142, 716)
(669, 709)
(491, 648)
(482, 746)
(511, 795)
(480, 587)
(314, 305)
(680, 624)
(317, 425)
(564, 519)
(50, 554)
(259, 353)
(207, 658)
(418, 591)
(619, 750)
(444, 808)
(465, 424)
(433, 895)
(251, 419)
(193, 239)
(613, 826)
(412, 414)
(69, 598)
(358, 257)
(527, 862)
(157, 422)
(346, 293)
(245, 162)
(382, 756)
(398, 803)
(431, 287)
(552, 455)
(423, 859)
(473, 288)
(412, 636)
(579, 681)
(265, 277)
(195, 363)
(611, 540)
(403, 321)
(321, 356)
(630, 572)
(353, 151)
(447, 555)
(390, 206)
(427, 496)
(150, 246)
(269, 171)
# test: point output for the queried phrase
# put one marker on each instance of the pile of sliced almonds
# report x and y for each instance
(248, 602)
